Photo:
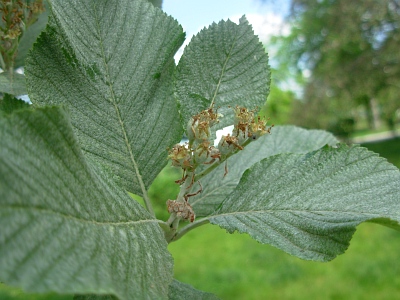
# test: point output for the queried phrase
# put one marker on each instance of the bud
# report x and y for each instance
(258, 128)
(202, 152)
(228, 144)
(180, 156)
(198, 127)
(183, 210)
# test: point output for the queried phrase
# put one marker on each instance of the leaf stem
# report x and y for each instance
(216, 164)
(188, 228)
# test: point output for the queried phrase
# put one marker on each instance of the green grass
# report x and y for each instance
(12, 293)
(237, 267)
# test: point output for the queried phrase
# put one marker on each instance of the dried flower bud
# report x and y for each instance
(202, 152)
(180, 156)
(228, 144)
(198, 127)
(258, 128)
(183, 210)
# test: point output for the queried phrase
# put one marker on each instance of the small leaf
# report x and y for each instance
(65, 226)
(310, 204)
(224, 64)
(283, 139)
(13, 84)
(183, 291)
(111, 63)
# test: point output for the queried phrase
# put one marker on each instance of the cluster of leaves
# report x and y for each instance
(108, 101)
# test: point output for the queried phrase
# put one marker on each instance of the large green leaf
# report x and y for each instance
(65, 226)
(283, 139)
(310, 204)
(224, 64)
(111, 63)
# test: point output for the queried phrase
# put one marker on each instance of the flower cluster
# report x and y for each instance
(16, 15)
(247, 127)
(199, 150)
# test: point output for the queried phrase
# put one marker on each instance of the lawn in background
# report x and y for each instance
(237, 267)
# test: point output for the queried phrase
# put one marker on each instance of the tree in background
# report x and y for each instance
(280, 99)
(349, 50)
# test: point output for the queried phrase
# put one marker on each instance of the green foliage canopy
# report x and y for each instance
(351, 50)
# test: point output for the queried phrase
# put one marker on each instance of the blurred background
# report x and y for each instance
(336, 66)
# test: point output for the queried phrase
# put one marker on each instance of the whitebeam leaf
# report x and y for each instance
(65, 226)
(224, 64)
(111, 63)
(310, 204)
(283, 139)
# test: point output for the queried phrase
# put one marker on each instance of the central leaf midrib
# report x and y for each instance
(269, 211)
(118, 114)
(228, 56)
(75, 218)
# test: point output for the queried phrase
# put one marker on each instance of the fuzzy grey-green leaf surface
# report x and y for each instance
(224, 64)
(283, 139)
(309, 205)
(65, 226)
(111, 63)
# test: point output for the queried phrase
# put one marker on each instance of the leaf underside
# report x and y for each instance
(111, 63)
(310, 204)
(224, 64)
(65, 226)
(283, 139)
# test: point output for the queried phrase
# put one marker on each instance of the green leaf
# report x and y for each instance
(111, 63)
(183, 291)
(13, 84)
(65, 226)
(9, 104)
(224, 64)
(309, 205)
(283, 139)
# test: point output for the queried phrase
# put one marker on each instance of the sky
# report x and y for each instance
(193, 15)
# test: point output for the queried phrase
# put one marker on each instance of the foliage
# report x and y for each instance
(108, 101)
(350, 49)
